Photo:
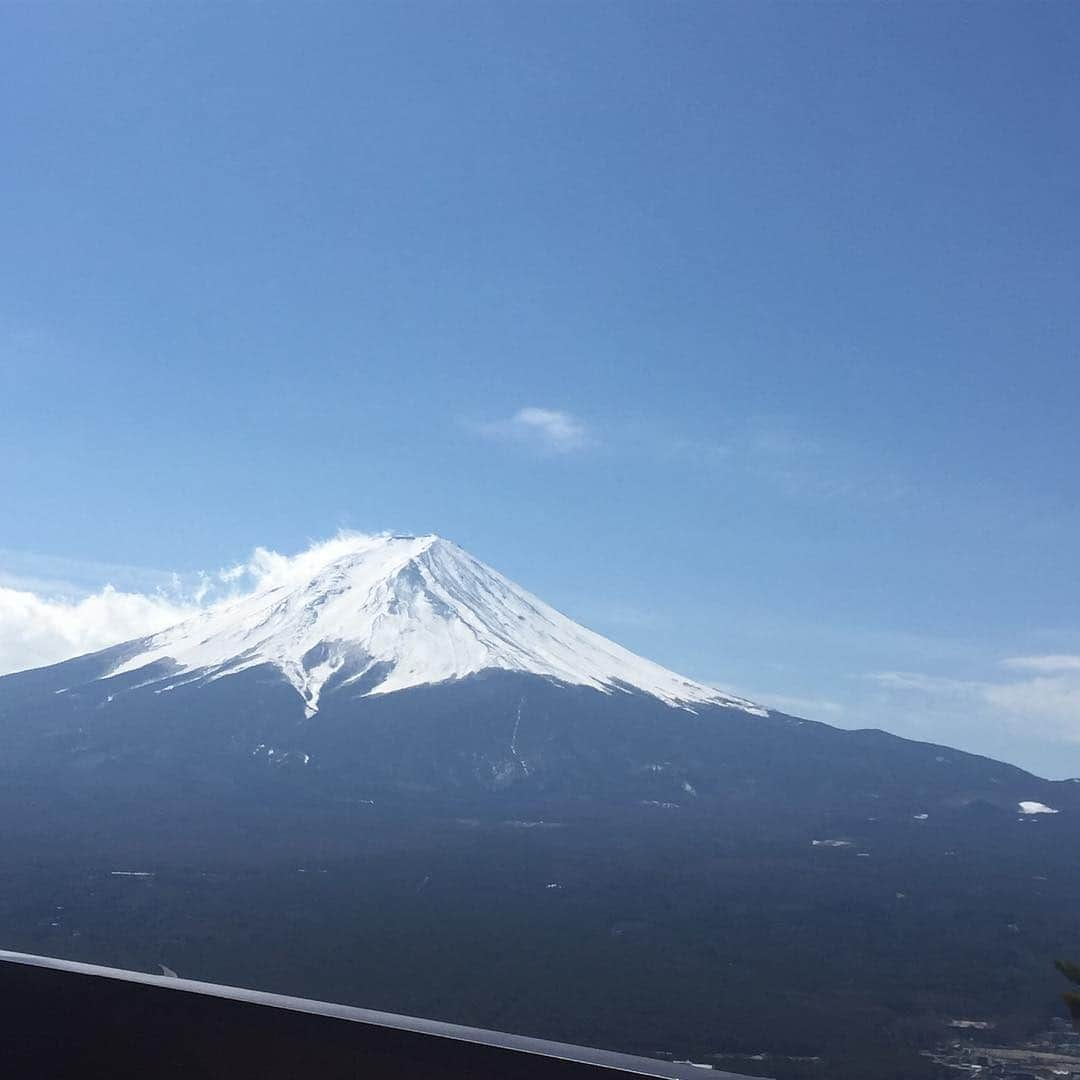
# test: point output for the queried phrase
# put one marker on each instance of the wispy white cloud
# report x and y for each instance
(813, 707)
(553, 430)
(45, 620)
(266, 568)
(809, 706)
(1045, 706)
(924, 684)
(1045, 664)
(37, 630)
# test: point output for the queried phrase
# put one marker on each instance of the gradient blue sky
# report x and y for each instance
(746, 333)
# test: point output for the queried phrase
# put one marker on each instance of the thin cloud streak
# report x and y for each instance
(1047, 664)
(809, 707)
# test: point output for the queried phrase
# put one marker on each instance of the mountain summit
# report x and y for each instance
(396, 612)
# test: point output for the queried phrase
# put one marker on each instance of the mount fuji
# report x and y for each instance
(391, 769)
(401, 665)
(398, 612)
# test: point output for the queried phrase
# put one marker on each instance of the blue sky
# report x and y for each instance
(746, 333)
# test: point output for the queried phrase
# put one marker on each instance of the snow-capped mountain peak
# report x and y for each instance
(398, 612)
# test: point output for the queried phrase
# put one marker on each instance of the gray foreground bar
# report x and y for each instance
(607, 1059)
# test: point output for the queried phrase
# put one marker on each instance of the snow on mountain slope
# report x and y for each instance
(403, 611)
